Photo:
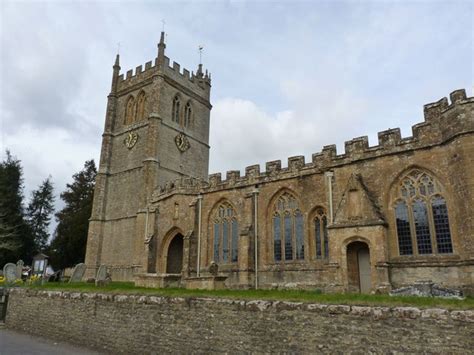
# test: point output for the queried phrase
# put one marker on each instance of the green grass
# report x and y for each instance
(278, 295)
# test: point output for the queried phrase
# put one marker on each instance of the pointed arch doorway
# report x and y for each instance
(358, 267)
(174, 255)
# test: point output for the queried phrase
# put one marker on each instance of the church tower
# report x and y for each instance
(156, 130)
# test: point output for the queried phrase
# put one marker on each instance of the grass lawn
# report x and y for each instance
(277, 295)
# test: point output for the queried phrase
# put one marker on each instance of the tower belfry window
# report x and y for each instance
(187, 115)
(176, 109)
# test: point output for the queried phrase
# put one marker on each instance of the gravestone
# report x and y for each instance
(78, 273)
(9, 272)
(19, 268)
(214, 268)
(102, 277)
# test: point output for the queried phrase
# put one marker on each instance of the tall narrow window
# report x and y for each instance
(299, 235)
(321, 234)
(325, 236)
(226, 237)
(422, 229)
(441, 223)
(235, 241)
(277, 237)
(187, 115)
(405, 246)
(141, 100)
(217, 236)
(225, 241)
(176, 109)
(288, 229)
(130, 111)
(288, 237)
(421, 216)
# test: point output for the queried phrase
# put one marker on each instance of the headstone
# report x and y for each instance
(213, 268)
(102, 278)
(19, 269)
(78, 273)
(9, 272)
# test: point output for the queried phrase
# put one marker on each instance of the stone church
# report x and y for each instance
(368, 220)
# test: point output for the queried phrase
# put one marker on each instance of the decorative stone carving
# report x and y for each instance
(182, 142)
(131, 140)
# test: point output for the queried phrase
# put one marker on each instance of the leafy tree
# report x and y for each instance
(11, 207)
(39, 213)
(69, 243)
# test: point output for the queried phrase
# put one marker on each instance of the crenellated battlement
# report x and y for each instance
(183, 76)
(443, 121)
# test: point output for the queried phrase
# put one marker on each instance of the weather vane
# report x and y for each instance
(163, 27)
(200, 47)
(118, 47)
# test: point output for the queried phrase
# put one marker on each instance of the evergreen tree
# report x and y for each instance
(39, 213)
(69, 243)
(11, 208)
(9, 241)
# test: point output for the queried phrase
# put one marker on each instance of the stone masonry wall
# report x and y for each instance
(147, 324)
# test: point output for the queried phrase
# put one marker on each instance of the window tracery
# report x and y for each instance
(176, 109)
(225, 234)
(141, 101)
(421, 216)
(288, 229)
(130, 111)
(321, 234)
(187, 114)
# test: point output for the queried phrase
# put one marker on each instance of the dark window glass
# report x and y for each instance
(441, 223)
(299, 235)
(235, 241)
(216, 242)
(317, 230)
(277, 238)
(288, 241)
(405, 246)
(423, 238)
(325, 234)
(225, 242)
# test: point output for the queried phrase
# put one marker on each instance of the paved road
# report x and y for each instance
(15, 343)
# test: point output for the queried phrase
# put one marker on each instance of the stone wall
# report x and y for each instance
(146, 324)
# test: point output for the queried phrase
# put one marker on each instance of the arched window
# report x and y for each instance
(321, 234)
(288, 229)
(130, 111)
(421, 216)
(141, 100)
(226, 235)
(176, 109)
(187, 114)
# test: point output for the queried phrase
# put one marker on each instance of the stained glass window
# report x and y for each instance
(226, 234)
(441, 223)
(321, 234)
(288, 229)
(405, 246)
(421, 216)
(277, 237)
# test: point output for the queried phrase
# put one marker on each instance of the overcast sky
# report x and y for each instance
(288, 77)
